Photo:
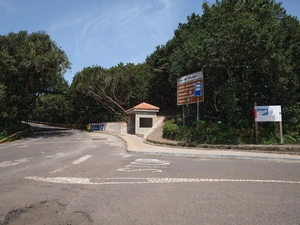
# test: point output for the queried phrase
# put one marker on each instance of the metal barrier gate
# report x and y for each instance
(95, 126)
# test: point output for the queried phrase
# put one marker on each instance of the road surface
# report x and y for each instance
(64, 176)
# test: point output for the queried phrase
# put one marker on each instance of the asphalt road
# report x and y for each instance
(62, 176)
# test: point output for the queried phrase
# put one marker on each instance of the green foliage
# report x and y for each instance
(115, 90)
(53, 108)
(219, 133)
(30, 64)
(248, 51)
(162, 93)
(18, 131)
(171, 130)
(2, 136)
(292, 138)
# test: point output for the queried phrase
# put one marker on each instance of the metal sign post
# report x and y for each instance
(198, 93)
(255, 124)
(183, 116)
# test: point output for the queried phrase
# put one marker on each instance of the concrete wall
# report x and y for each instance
(122, 128)
(131, 124)
(159, 122)
(116, 127)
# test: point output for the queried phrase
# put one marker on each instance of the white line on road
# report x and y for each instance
(18, 143)
(58, 170)
(14, 162)
(139, 165)
(125, 155)
(139, 170)
(76, 162)
(81, 159)
(137, 180)
(57, 156)
(23, 146)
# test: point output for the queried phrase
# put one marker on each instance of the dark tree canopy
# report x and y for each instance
(30, 65)
(114, 90)
(249, 52)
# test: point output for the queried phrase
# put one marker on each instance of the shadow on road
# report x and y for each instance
(50, 132)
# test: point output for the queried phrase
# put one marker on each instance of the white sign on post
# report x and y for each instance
(267, 113)
(270, 113)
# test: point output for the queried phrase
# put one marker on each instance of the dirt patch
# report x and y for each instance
(46, 212)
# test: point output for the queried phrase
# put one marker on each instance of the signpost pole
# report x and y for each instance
(281, 133)
(183, 116)
(197, 110)
(255, 124)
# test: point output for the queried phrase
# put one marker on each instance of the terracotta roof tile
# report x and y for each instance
(144, 106)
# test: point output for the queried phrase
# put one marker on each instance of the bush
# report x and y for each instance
(171, 130)
(220, 133)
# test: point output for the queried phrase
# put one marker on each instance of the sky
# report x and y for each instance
(105, 32)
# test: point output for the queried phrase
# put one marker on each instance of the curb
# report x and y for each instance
(213, 156)
(132, 149)
(272, 149)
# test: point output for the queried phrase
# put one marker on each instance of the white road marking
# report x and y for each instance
(58, 170)
(76, 162)
(151, 162)
(57, 156)
(137, 180)
(81, 160)
(23, 146)
(140, 165)
(124, 155)
(13, 163)
(139, 170)
(22, 143)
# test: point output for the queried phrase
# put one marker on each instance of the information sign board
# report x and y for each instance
(267, 113)
(186, 88)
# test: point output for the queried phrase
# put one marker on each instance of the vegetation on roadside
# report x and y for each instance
(30, 65)
(218, 133)
(21, 131)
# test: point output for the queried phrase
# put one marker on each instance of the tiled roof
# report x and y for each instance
(143, 106)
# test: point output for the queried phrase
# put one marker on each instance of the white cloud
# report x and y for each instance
(125, 24)
(112, 33)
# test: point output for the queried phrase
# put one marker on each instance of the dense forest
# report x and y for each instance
(248, 50)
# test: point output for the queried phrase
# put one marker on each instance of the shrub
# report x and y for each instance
(171, 130)
(220, 133)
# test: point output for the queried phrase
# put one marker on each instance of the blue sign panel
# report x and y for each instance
(198, 89)
(262, 111)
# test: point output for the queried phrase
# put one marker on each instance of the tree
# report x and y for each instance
(52, 108)
(30, 64)
(114, 90)
(96, 83)
(163, 91)
(249, 52)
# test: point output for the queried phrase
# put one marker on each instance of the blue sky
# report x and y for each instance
(104, 32)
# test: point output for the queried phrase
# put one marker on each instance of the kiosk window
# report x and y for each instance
(145, 122)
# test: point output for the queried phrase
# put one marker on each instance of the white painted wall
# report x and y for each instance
(140, 131)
